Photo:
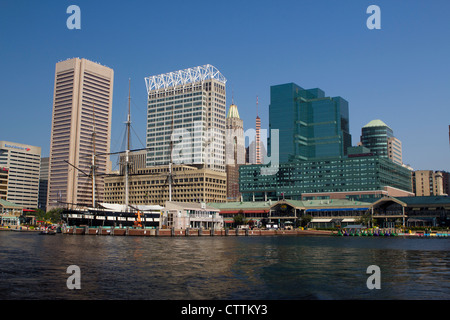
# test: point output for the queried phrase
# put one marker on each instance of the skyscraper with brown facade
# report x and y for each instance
(81, 127)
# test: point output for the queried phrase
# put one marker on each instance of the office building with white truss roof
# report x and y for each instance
(186, 115)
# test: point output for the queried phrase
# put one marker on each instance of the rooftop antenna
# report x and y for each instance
(256, 106)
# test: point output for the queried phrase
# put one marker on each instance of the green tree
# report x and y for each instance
(305, 220)
(54, 215)
(39, 214)
(239, 219)
(365, 219)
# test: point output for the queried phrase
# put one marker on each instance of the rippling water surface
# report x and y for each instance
(33, 266)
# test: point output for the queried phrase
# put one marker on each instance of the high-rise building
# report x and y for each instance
(23, 162)
(446, 182)
(395, 150)
(427, 183)
(234, 151)
(310, 125)
(315, 153)
(136, 160)
(362, 172)
(186, 118)
(43, 184)
(4, 172)
(234, 141)
(81, 127)
(379, 138)
(151, 186)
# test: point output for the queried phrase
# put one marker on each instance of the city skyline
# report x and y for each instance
(396, 74)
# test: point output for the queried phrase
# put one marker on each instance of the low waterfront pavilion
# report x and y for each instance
(256, 211)
(324, 213)
(10, 213)
(286, 212)
(412, 211)
(182, 215)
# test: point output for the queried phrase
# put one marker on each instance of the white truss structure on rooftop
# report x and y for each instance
(183, 77)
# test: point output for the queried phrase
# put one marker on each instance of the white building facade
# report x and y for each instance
(183, 215)
(186, 114)
(23, 162)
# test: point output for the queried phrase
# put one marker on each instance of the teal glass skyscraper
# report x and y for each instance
(311, 125)
(315, 151)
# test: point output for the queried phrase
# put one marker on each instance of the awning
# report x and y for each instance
(122, 207)
(243, 211)
(337, 209)
(321, 220)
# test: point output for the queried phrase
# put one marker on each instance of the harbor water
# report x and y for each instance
(34, 266)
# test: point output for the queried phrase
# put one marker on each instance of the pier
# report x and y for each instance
(189, 232)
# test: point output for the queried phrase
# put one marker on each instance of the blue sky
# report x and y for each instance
(399, 74)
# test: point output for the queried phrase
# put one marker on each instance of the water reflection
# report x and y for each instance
(34, 267)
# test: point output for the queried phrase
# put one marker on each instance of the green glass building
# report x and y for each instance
(315, 152)
(340, 174)
(310, 125)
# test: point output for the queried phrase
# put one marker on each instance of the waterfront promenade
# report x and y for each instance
(192, 232)
(188, 232)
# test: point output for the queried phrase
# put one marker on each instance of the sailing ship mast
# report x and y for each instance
(170, 178)
(127, 151)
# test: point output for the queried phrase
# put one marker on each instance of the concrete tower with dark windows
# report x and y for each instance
(43, 184)
(81, 128)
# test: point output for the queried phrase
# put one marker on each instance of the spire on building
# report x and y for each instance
(233, 111)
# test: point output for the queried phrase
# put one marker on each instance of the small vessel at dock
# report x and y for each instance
(48, 232)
